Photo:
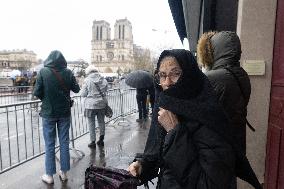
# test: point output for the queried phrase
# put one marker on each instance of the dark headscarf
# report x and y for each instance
(191, 81)
(192, 98)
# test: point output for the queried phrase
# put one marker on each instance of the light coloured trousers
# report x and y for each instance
(100, 114)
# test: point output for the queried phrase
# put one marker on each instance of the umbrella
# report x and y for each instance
(13, 74)
(139, 79)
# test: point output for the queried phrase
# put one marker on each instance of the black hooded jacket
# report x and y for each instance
(200, 152)
(230, 81)
(55, 100)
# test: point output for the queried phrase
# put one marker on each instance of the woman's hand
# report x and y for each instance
(167, 119)
(135, 168)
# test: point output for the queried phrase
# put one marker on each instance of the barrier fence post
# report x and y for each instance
(122, 120)
(79, 154)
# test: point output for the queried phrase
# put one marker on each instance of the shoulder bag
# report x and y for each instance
(108, 110)
(242, 92)
(59, 78)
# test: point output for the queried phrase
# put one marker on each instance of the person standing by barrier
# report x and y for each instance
(53, 84)
(25, 83)
(94, 88)
(219, 54)
(32, 83)
(141, 97)
(33, 79)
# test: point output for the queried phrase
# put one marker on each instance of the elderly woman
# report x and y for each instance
(94, 89)
(189, 144)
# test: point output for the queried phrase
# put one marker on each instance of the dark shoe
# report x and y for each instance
(101, 141)
(92, 144)
(139, 120)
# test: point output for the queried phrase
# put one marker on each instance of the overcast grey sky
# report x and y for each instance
(66, 25)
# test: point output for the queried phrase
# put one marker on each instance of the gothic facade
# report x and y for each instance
(112, 55)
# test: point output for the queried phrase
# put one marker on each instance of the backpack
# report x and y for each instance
(110, 178)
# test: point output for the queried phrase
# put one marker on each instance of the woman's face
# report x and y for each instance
(169, 72)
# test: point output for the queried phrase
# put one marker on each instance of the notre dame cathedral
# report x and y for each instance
(112, 55)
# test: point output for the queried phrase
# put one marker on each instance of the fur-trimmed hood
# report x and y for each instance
(218, 49)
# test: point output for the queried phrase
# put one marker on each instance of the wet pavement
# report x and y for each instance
(122, 141)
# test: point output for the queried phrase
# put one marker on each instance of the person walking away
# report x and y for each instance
(141, 98)
(219, 54)
(53, 84)
(94, 89)
(25, 83)
(189, 144)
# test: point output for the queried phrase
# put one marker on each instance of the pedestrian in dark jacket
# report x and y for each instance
(151, 92)
(189, 143)
(141, 97)
(55, 111)
(219, 54)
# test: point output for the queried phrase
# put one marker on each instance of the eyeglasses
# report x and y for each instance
(161, 77)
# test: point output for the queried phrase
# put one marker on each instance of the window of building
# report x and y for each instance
(122, 57)
(119, 28)
(123, 31)
(101, 33)
(97, 36)
(110, 45)
(101, 58)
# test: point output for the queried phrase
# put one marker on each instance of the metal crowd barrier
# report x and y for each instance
(21, 138)
(15, 94)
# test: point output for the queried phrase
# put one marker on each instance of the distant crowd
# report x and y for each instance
(24, 81)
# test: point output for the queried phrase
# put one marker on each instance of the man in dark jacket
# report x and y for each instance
(141, 97)
(219, 54)
(53, 85)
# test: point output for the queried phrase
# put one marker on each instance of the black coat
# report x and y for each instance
(230, 82)
(200, 150)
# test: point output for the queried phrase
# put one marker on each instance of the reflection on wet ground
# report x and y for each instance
(121, 145)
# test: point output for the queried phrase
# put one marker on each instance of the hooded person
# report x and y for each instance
(94, 90)
(53, 85)
(189, 144)
(219, 55)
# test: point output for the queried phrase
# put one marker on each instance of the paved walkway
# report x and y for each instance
(121, 144)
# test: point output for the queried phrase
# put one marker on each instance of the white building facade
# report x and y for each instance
(17, 59)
